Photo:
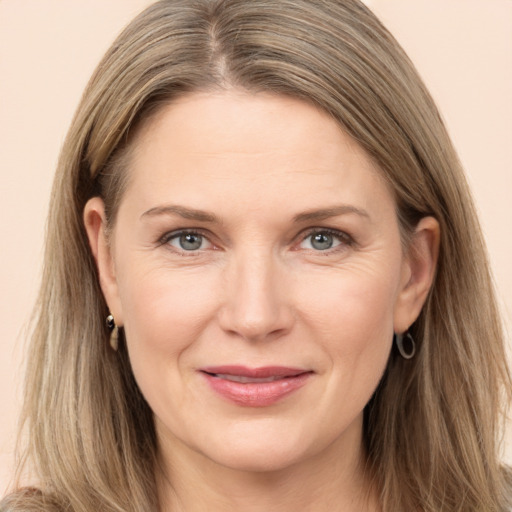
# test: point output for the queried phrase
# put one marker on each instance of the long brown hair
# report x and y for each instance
(432, 428)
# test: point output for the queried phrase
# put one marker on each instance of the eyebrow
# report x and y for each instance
(182, 211)
(204, 216)
(327, 213)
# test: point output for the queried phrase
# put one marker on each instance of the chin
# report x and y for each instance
(260, 460)
(259, 450)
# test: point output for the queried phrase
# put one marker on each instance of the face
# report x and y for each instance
(257, 268)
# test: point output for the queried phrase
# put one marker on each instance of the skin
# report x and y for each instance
(258, 292)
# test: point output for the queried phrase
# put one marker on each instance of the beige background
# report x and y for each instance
(48, 49)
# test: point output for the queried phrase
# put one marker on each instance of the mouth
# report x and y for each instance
(255, 387)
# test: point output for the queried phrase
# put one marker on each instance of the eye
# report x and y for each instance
(188, 241)
(323, 240)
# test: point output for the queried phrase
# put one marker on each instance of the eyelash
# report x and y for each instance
(344, 238)
(168, 237)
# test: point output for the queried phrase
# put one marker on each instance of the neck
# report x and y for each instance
(331, 481)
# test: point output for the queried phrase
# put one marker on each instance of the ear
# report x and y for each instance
(95, 226)
(418, 271)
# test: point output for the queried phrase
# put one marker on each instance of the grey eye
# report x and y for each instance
(190, 241)
(321, 241)
(187, 241)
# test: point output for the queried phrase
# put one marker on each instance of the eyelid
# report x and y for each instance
(344, 238)
(171, 235)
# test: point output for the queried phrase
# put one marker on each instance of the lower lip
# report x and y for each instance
(256, 394)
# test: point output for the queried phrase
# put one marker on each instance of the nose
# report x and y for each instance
(255, 307)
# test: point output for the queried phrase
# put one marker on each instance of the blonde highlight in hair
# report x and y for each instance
(432, 428)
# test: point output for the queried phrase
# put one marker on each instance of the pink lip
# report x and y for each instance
(255, 394)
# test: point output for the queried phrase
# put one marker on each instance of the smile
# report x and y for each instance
(259, 387)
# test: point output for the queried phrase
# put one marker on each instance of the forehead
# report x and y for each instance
(225, 142)
(247, 122)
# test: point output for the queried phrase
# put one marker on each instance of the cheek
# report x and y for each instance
(164, 314)
(353, 320)
(357, 341)
(164, 310)
(353, 303)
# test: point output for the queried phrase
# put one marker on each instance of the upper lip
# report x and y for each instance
(255, 373)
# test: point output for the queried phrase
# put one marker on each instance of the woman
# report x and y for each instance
(265, 284)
